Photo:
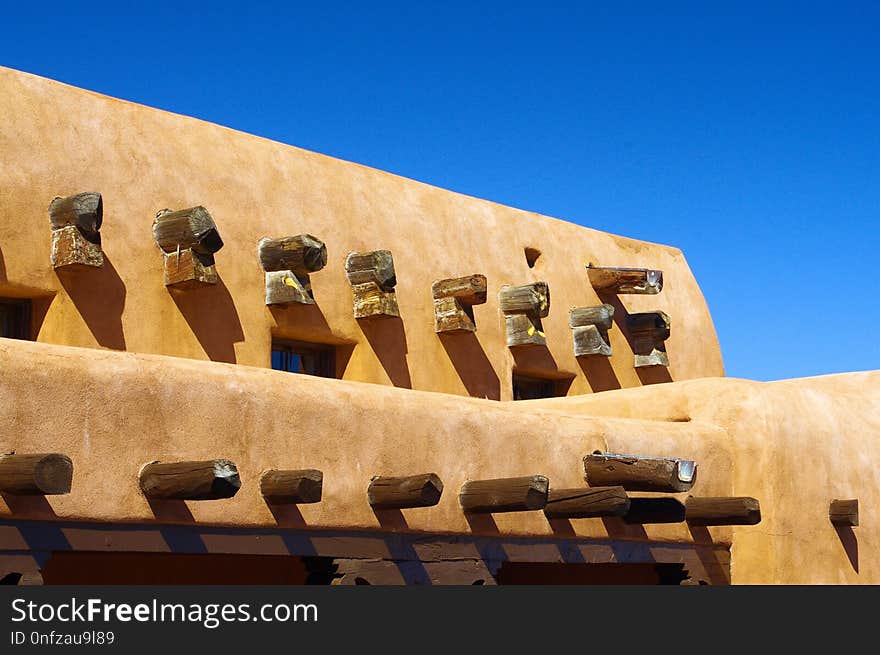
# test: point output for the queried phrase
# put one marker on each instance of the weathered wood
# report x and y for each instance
(70, 249)
(35, 475)
(608, 280)
(722, 510)
(370, 302)
(469, 290)
(85, 211)
(188, 269)
(648, 333)
(524, 330)
(600, 316)
(292, 486)
(634, 473)
(376, 266)
(844, 512)
(532, 299)
(302, 254)
(504, 494)
(206, 480)
(581, 503)
(286, 287)
(401, 492)
(187, 228)
(655, 510)
(451, 316)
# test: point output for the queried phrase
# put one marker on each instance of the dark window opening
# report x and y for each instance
(530, 388)
(553, 573)
(308, 358)
(15, 318)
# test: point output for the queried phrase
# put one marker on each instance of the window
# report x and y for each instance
(308, 358)
(529, 388)
(15, 318)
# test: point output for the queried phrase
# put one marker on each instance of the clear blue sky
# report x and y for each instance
(746, 134)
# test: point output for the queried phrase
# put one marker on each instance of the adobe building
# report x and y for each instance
(226, 359)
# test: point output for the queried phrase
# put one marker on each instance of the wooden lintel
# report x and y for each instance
(655, 510)
(85, 211)
(613, 280)
(583, 503)
(203, 480)
(184, 229)
(504, 494)
(41, 474)
(422, 490)
(648, 333)
(302, 254)
(722, 510)
(635, 473)
(844, 512)
(300, 486)
(531, 299)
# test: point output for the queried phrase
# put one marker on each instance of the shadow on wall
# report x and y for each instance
(850, 544)
(99, 296)
(472, 364)
(717, 571)
(647, 374)
(297, 322)
(599, 373)
(387, 338)
(39, 305)
(211, 315)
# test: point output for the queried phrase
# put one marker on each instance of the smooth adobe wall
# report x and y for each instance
(797, 445)
(57, 140)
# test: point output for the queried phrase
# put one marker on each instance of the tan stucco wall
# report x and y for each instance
(58, 140)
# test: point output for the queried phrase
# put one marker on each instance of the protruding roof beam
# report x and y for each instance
(303, 486)
(372, 279)
(723, 510)
(35, 475)
(612, 280)
(76, 224)
(844, 512)
(454, 299)
(635, 473)
(589, 326)
(188, 238)
(523, 307)
(287, 262)
(504, 494)
(583, 503)
(648, 334)
(204, 480)
(422, 490)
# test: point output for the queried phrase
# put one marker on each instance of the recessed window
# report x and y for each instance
(307, 358)
(529, 388)
(15, 318)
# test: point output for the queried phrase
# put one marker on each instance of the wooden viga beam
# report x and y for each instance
(422, 490)
(204, 480)
(635, 473)
(301, 486)
(844, 512)
(722, 510)
(584, 503)
(76, 236)
(612, 280)
(287, 263)
(648, 334)
(372, 279)
(522, 494)
(523, 308)
(45, 474)
(454, 299)
(188, 239)
(589, 327)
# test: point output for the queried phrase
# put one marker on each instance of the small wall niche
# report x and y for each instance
(532, 255)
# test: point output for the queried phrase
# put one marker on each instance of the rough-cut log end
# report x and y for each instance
(590, 340)
(580, 503)
(187, 228)
(85, 211)
(532, 299)
(844, 512)
(206, 480)
(523, 330)
(286, 287)
(70, 249)
(451, 316)
(600, 316)
(655, 510)
(189, 269)
(46, 474)
(402, 492)
(635, 473)
(611, 280)
(375, 266)
(302, 254)
(723, 510)
(370, 302)
(468, 290)
(504, 494)
(281, 487)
